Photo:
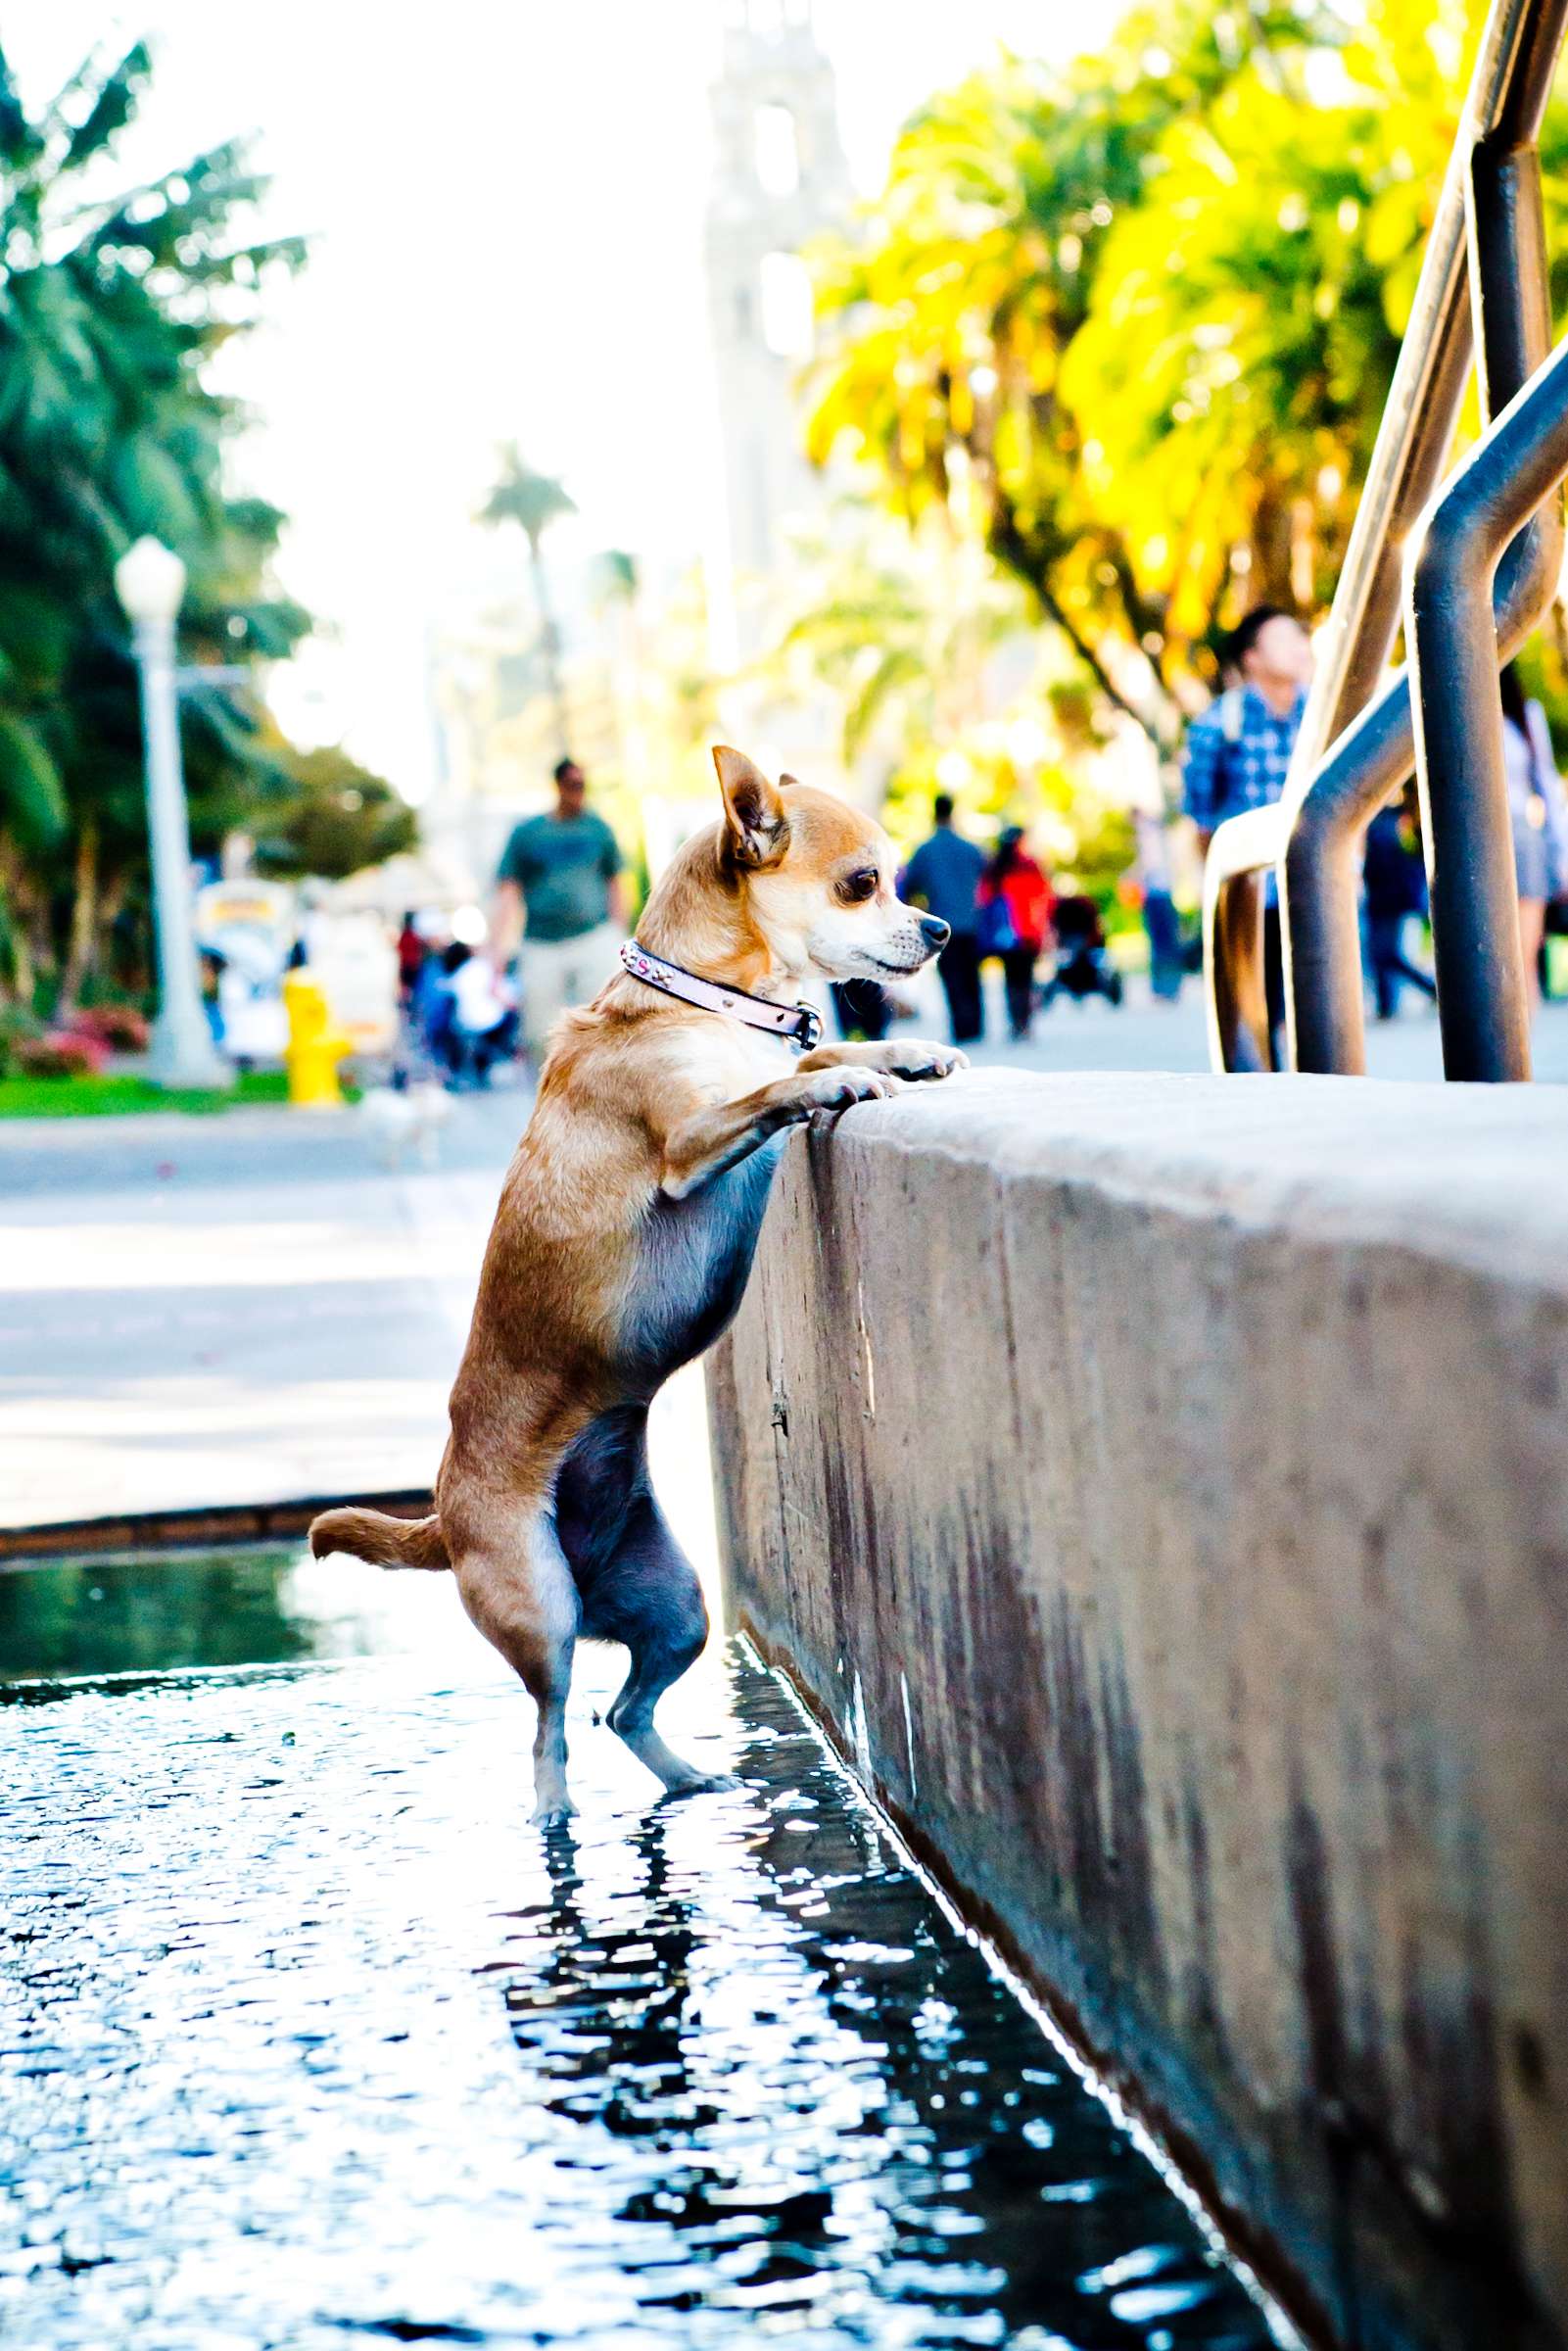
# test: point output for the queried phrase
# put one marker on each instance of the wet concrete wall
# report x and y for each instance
(1162, 1487)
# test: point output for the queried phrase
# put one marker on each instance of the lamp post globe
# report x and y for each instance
(150, 582)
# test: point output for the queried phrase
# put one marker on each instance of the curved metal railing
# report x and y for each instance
(1450, 729)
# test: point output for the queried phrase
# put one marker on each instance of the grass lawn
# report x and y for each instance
(112, 1096)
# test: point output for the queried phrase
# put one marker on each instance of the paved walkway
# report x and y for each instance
(238, 1309)
(245, 1307)
(1150, 1035)
(253, 1308)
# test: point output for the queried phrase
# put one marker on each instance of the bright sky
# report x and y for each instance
(506, 208)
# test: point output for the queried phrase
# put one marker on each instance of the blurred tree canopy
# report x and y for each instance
(334, 819)
(898, 627)
(1131, 321)
(534, 502)
(109, 307)
(941, 681)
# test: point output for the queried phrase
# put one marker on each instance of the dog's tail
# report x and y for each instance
(384, 1541)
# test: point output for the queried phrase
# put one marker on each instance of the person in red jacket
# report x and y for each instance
(1016, 902)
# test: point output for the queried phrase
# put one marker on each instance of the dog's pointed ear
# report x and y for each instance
(757, 825)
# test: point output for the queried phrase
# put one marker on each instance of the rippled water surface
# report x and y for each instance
(306, 2037)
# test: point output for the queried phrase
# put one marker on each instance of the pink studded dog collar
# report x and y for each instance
(799, 1024)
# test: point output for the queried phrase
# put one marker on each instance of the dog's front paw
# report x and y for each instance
(836, 1090)
(920, 1060)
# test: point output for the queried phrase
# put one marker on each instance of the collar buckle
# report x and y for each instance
(808, 1036)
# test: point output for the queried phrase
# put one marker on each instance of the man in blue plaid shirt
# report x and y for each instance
(1239, 751)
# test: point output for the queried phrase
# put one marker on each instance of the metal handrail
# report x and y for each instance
(1490, 206)
(1321, 838)
(1241, 853)
(1508, 89)
(1521, 461)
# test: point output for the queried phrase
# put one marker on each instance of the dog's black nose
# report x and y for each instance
(936, 932)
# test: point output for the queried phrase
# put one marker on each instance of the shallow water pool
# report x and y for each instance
(307, 2038)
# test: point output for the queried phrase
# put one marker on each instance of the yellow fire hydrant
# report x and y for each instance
(314, 1047)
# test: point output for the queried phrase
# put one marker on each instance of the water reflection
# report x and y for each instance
(119, 1617)
(304, 2036)
(796, 2090)
(261, 1605)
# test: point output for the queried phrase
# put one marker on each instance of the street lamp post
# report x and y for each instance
(150, 582)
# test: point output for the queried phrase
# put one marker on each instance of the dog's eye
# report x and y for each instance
(856, 889)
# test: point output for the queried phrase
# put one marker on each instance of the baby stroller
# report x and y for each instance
(1082, 967)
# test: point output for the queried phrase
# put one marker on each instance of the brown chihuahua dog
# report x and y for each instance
(625, 1233)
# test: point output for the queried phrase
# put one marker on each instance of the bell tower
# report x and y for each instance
(780, 180)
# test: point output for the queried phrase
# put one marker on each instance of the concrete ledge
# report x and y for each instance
(1162, 1487)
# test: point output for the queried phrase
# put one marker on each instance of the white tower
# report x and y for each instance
(779, 178)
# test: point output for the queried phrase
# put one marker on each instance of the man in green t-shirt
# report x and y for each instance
(560, 885)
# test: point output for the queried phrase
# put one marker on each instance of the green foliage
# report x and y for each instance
(533, 500)
(901, 627)
(111, 1096)
(32, 790)
(18, 1030)
(97, 1615)
(1132, 321)
(108, 309)
(898, 627)
(335, 819)
(616, 578)
(1084, 839)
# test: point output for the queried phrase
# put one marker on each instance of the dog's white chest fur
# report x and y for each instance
(766, 1057)
(727, 1059)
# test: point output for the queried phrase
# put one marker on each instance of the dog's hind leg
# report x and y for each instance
(662, 1618)
(638, 1585)
(517, 1588)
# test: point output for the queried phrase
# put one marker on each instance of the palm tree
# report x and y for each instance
(898, 628)
(533, 500)
(949, 316)
(111, 302)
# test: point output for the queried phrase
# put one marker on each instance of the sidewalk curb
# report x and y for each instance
(191, 1529)
(165, 1124)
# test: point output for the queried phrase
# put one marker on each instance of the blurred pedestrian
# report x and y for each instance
(560, 885)
(482, 1026)
(860, 1010)
(211, 966)
(1083, 967)
(429, 998)
(1238, 755)
(1013, 914)
(1395, 888)
(413, 949)
(944, 877)
(1161, 922)
(436, 1002)
(1537, 812)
